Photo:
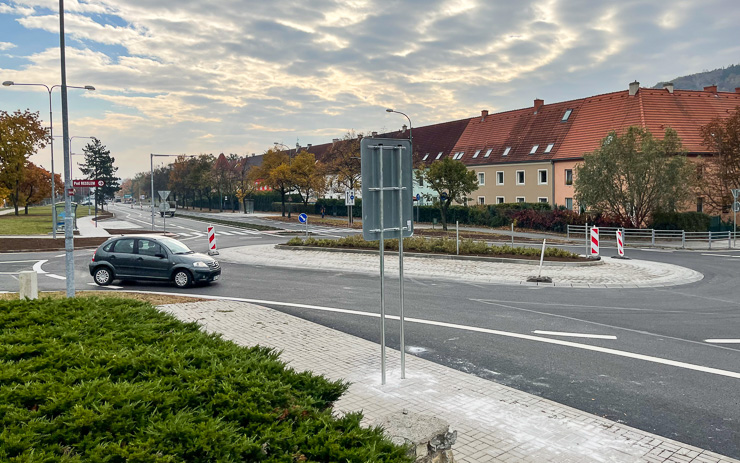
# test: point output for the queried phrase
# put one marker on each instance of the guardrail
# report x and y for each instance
(664, 238)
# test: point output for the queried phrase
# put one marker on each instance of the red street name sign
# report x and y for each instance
(92, 183)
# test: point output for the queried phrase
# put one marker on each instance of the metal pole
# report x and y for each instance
(53, 193)
(457, 236)
(382, 275)
(151, 177)
(306, 226)
(542, 258)
(400, 259)
(588, 241)
(69, 245)
(734, 224)
(710, 240)
(512, 234)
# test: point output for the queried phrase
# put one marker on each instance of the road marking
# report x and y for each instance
(109, 286)
(220, 232)
(528, 337)
(37, 266)
(60, 255)
(576, 335)
(17, 261)
(718, 255)
(58, 277)
(723, 341)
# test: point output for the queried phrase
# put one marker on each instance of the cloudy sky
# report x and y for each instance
(235, 76)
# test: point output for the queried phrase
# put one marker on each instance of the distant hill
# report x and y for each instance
(727, 80)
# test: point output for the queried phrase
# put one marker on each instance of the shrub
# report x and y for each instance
(688, 221)
(115, 380)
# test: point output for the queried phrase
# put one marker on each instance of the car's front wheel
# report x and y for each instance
(182, 278)
(103, 276)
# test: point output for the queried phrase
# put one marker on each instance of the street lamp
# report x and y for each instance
(8, 83)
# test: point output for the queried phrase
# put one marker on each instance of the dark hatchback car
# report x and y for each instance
(151, 257)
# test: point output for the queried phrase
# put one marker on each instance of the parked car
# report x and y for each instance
(151, 257)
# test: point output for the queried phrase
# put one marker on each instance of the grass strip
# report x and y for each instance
(114, 380)
(249, 226)
(441, 245)
(36, 222)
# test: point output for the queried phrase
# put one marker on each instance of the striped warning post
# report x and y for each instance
(212, 241)
(594, 241)
(620, 243)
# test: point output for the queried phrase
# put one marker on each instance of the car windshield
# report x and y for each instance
(175, 246)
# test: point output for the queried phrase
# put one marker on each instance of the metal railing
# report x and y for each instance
(663, 238)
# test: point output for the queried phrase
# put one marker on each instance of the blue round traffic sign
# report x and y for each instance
(418, 196)
(302, 218)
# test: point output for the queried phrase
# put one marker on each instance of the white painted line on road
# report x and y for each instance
(220, 232)
(576, 335)
(109, 286)
(723, 341)
(65, 255)
(17, 261)
(718, 255)
(37, 266)
(528, 337)
(58, 277)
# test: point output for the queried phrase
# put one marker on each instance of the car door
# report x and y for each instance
(122, 257)
(151, 259)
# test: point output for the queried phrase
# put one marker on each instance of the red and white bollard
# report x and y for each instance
(212, 241)
(594, 241)
(620, 243)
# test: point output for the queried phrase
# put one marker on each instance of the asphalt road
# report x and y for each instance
(651, 366)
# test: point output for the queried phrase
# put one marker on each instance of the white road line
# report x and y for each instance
(603, 350)
(723, 341)
(37, 266)
(718, 255)
(17, 261)
(576, 335)
(60, 255)
(109, 286)
(223, 233)
(58, 277)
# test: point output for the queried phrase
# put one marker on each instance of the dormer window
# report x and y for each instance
(476, 154)
(534, 149)
(458, 155)
(488, 153)
(549, 147)
(566, 115)
(439, 155)
(425, 157)
(506, 151)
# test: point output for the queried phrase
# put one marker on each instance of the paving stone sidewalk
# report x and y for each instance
(614, 273)
(495, 423)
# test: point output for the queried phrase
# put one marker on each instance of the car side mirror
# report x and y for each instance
(160, 255)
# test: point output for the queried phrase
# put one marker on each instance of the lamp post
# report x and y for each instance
(8, 83)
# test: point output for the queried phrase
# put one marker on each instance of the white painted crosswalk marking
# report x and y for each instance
(221, 232)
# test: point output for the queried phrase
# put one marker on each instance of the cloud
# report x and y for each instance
(6, 46)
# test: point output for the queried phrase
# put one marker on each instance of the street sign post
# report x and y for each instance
(303, 218)
(88, 183)
(164, 207)
(387, 207)
(349, 201)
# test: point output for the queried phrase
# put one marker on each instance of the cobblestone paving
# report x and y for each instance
(613, 272)
(495, 423)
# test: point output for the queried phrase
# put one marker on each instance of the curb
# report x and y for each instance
(446, 257)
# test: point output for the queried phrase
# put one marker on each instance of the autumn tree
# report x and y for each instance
(719, 173)
(36, 185)
(345, 162)
(21, 135)
(634, 175)
(200, 178)
(245, 184)
(308, 176)
(179, 182)
(451, 180)
(275, 172)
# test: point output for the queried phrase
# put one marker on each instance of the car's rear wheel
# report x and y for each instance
(103, 276)
(182, 278)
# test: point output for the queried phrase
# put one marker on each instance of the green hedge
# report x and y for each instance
(115, 380)
(687, 221)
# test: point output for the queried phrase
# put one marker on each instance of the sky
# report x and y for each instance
(236, 76)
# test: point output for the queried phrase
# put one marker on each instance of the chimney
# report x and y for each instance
(483, 115)
(711, 89)
(634, 87)
(538, 104)
(737, 89)
(374, 134)
(334, 141)
(309, 146)
(403, 128)
(668, 86)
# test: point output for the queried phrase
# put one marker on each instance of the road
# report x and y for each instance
(647, 362)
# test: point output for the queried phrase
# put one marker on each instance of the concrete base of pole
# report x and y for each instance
(212, 253)
(540, 279)
(620, 257)
(29, 285)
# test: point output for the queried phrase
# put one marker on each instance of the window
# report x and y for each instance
(481, 200)
(499, 178)
(476, 154)
(425, 157)
(569, 203)
(542, 177)
(569, 176)
(439, 155)
(566, 115)
(520, 199)
(421, 181)
(458, 155)
(125, 246)
(499, 199)
(542, 200)
(699, 204)
(506, 151)
(534, 149)
(520, 177)
(549, 147)
(149, 248)
(481, 178)
(488, 153)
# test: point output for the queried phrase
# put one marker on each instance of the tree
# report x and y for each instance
(449, 179)
(21, 135)
(275, 172)
(635, 175)
(36, 185)
(245, 184)
(99, 166)
(719, 173)
(308, 176)
(345, 162)
(178, 181)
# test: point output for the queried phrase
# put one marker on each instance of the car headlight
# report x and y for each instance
(200, 264)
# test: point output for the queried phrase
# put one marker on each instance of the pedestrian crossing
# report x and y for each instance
(192, 234)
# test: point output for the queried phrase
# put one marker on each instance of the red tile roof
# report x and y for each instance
(433, 139)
